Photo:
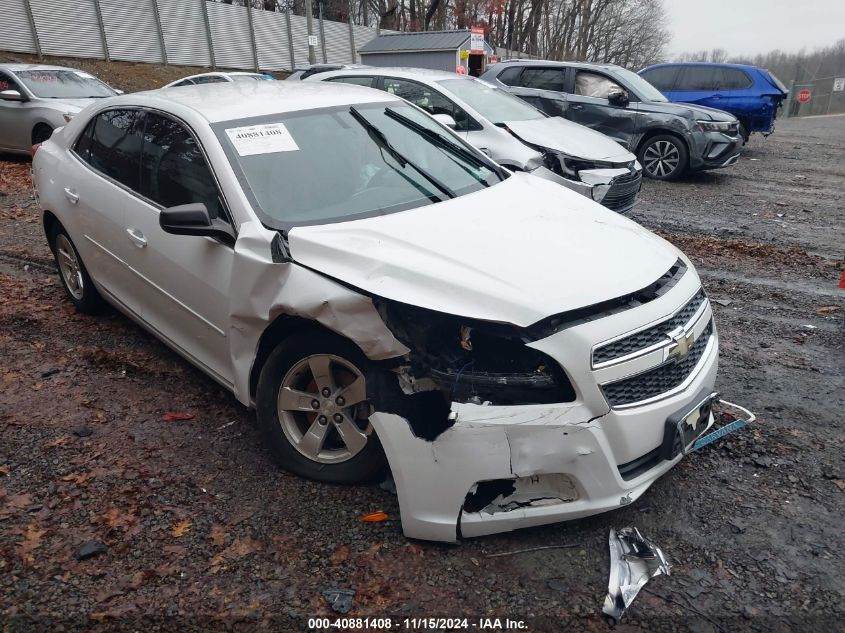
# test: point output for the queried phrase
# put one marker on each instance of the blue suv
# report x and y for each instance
(751, 94)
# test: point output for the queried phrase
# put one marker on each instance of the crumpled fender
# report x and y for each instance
(262, 290)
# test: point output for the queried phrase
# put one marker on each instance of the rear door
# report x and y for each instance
(588, 104)
(700, 85)
(182, 281)
(541, 86)
(98, 180)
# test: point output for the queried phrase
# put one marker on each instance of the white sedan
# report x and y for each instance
(385, 296)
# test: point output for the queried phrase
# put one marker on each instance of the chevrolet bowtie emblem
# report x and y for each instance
(681, 343)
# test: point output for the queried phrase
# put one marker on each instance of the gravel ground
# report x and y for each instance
(199, 530)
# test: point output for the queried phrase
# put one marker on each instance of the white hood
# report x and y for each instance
(517, 252)
(570, 138)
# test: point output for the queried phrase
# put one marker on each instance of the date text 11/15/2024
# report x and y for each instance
(416, 624)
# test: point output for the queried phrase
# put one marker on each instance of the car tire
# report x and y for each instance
(72, 272)
(664, 157)
(310, 432)
(744, 133)
(41, 133)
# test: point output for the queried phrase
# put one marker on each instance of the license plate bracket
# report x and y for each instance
(685, 426)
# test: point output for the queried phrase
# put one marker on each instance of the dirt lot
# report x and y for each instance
(201, 531)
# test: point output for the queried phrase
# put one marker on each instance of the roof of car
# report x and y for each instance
(551, 62)
(14, 67)
(241, 100)
(408, 73)
(719, 64)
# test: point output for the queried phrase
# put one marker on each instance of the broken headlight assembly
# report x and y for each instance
(476, 361)
(715, 126)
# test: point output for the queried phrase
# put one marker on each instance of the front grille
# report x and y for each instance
(650, 336)
(658, 380)
(623, 192)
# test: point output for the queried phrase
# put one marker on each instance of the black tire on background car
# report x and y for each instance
(41, 133)
(664, 157)
(744, 133)
(75, 279)
(311, 403)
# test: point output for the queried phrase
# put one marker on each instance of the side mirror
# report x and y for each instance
(446, 119)
(11, 95)
(617, 96)
(193, 219)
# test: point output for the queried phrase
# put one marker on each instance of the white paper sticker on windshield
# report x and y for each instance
(80, 73)
(262, 139)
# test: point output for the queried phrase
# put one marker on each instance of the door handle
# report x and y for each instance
(71, 195)
(137, 237)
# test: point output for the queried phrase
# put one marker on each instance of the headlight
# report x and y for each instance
(475, 361)
(716, 126)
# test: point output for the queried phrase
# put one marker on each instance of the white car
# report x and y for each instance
(218, 78)
(511, 132)
(385, 295)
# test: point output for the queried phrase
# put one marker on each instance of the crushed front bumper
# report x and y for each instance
(499, 468)
(615, 188)
(715, 150)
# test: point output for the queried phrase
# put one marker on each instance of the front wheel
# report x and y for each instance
(312, 404)
(664, 157)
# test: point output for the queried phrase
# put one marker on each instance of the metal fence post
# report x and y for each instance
(290, 40)
(208, 37)
(32, 26)
(351, 35)
(322, 34)
(248, 5)
(102, 29)
(160, 31)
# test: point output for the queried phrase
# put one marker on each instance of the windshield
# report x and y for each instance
(343, 163)
(493, 104)
(644, 89)
(63, 84)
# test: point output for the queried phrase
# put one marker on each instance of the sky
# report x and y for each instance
(754, 26)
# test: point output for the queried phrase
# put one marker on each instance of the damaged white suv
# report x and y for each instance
(385, 295)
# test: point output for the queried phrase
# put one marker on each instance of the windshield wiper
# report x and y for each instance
(380, 139)
(442, 142)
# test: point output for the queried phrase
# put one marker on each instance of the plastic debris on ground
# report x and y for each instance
(340, 600)
(375, 517)
(633, 561)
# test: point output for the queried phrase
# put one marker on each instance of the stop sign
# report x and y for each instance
(804, 96)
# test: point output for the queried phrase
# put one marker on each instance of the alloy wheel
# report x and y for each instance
(319, 404)
(661, 158)
(69, 267)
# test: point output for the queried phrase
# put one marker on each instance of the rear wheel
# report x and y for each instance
(41, 133)
(312, 404)
(664, 157)
(75, 279)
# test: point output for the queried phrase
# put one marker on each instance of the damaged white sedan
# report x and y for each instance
(385, 296)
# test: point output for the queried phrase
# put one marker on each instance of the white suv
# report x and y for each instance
(385, 295)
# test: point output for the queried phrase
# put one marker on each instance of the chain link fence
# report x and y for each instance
(184, 32)
(817, 96)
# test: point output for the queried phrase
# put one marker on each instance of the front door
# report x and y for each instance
(588, 104)
(182, 281)
(15, 127)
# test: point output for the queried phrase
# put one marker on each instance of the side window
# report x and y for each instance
(173, 169)
(209, 79)
(185, 82)
(367, 82)
(662, 78)
(705, 78)
(429, 100)
(543, 78)
(588, 84)
(735, 79)
(111, 144)
(7, 83)
(510, 77)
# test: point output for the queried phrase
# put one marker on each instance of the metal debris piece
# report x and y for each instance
(340, 600)
(633, 560)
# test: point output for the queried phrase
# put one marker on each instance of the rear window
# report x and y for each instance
(734, 79)
(510, 77)
(543, 79)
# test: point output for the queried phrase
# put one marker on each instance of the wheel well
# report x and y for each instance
(660, 132)
(279, 330)
(39, 126)
(50, 222)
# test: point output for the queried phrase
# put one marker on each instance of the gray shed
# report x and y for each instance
(436, 50)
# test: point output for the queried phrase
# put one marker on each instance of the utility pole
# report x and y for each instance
(309, 22)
